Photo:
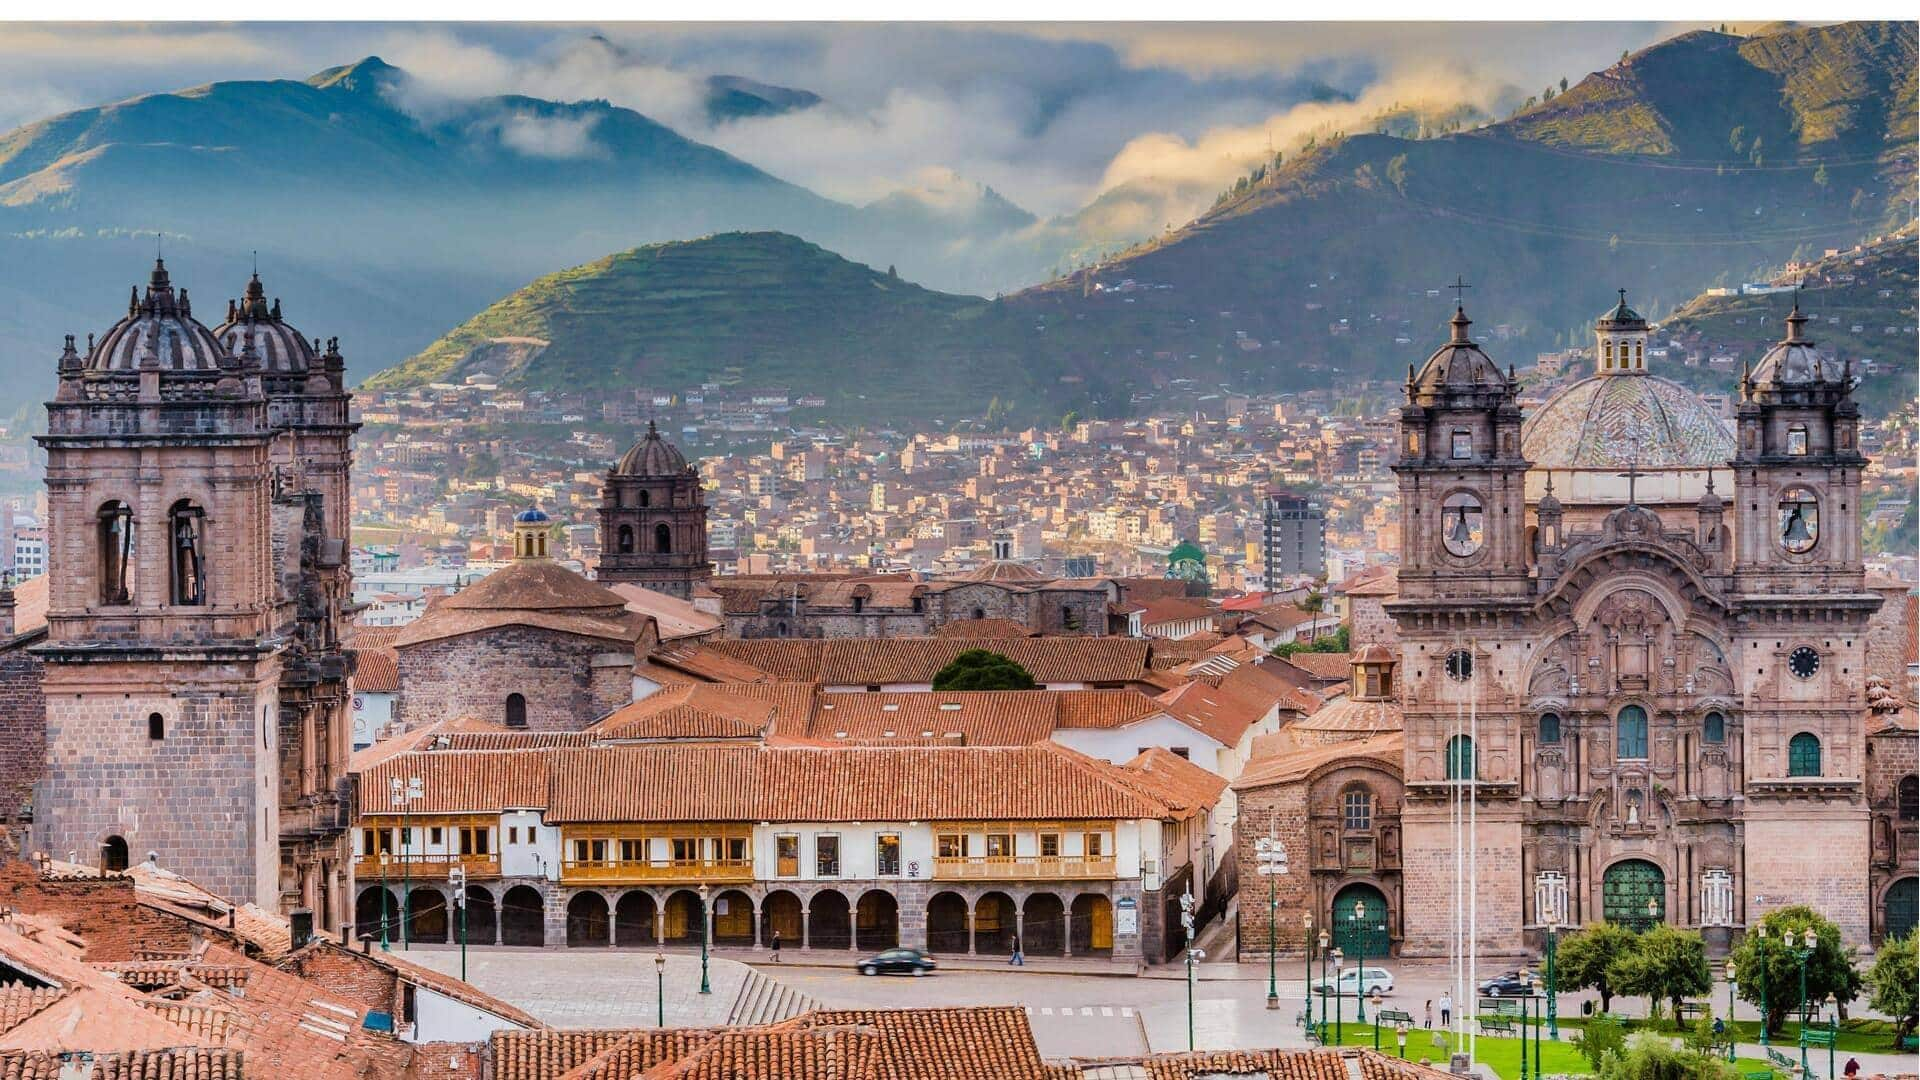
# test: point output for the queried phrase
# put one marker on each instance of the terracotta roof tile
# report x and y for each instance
(19, 1001)
(186, 1063)
(1177, 783)
(865, 661)
(459, 781)
(376, 670)
(549, 1053)
(1289, 765)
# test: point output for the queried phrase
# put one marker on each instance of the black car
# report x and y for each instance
(1509, 984)
(896, 962)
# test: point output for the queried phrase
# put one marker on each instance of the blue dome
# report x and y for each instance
(532, 515)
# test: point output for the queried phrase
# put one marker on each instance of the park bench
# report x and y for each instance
(1395, 1017)
(1495, 1025)
(1781, 1060)
(1760, 1074)
(1693, 1010)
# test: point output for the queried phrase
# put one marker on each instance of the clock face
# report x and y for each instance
(1803, 662)
(1459, 665)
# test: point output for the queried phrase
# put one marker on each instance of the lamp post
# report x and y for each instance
(457, 884)
(1533, 990)
(1523, 1027)
(1760, 945)
(1553, 988)
(1186, 923)
(1306, 950)
(385, 896)
(1833, 1031)
(660, 985)
(1360, 928)
(404, 792)
(1733, 987)
(1326, 953)
(1339, 1006)
(1809, 941)
(706, 935)
(1194, 956)
(1375, 996)
(1400, 1032)
(1270, 861)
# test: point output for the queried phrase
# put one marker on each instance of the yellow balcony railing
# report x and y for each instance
(367, 867)
(1019, 867)
(619, 871)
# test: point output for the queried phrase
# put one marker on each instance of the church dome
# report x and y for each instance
(1794, 361)
(160, 331)
(1606, 422)
(532, 515)
(1622, 317)
(279, 347)
(651, 456)
(1459, 364)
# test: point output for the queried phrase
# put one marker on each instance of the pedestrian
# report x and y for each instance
(776, 946)
(1429, 1013)
(1853, 1068)
(1446, 1009)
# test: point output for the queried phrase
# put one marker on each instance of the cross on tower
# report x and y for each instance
(1632, 476)
(1459, 288)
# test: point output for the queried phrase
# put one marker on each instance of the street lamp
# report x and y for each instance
(1809, 940)
(457, 884)
(1833, 1031)
(706, 936)
(1186, 922)
(1653, 912)
(1326, 954)
(385, 896)
(1553, 988)
(1339, 1006)
(404, 792)
(660, 985)
(1525, 980)
(1733, 987)
(1375, 998)
(1533, 990)
(1270, 861)
(1360, 929)
(1306, 949)
(1760, 946)
(1400, 1032)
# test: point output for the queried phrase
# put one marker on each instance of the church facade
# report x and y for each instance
(195, 701)
(1631, 660)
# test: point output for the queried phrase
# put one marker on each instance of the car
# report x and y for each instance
(897, 962)
(1506, 984)
(1377, 979)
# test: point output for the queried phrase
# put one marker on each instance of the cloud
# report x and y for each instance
(550, 136)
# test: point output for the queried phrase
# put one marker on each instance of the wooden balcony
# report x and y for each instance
(422, 867)
(646, 871)
(1023, 868)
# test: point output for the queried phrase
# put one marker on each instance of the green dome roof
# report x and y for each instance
(1186, 551)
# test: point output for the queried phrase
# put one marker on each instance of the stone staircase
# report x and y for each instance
(766, 1000)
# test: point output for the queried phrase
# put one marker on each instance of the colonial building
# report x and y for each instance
(653, 520)
(1632, 651)
(194, 684)
(905, 605)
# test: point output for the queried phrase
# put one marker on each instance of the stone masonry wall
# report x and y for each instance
(23, 732)
(472, 675)
(1280, 811)
(1802, 852)
(1428, 882)
(1371, 625)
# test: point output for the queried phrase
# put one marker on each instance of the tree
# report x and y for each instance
(1649, 1057)
(1603, 1038)
(1667, 964)
(1563, 84)
(1069, 421)
(1893, 977)
(1769, 962)
(1820, 175)
(981, 669)
(1397, 173)
(1587, 959)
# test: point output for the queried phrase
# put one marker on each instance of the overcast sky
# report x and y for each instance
(1047, 114)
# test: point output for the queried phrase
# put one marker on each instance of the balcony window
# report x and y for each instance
(826, 856)
(952, 846)
(1096, 845)
(686, 850)
(589, 851)
(435, 836)
(475, 840)
(1803, 755)
(633, 851)
(886, 855)
(999, 845)
(786, 856)
(1050, 845)
(736, 849)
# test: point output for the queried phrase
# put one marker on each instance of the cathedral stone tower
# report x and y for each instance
(161, 665)
(653, 520)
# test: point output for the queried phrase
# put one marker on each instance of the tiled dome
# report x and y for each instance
(652, 456)
(1795, 362)
(1609, 423)
(159, 331)
(279, 347)
(1459, 364)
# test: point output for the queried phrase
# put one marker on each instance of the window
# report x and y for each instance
(1908, 801)
(1631, 732)
(919, 603)
(113, 854)
(1606, 356)
(186, 525)
(1357, 807)
(1797, 440)
(1639, 355)
(433, 835)
(663, 539)
(633, 851)
(1549, 727)
(646, 497)
(859, 604)
(1070, 618)
(686, 849)
(513, 834)
(115, 540)
(1096, 845)
(952, 846)
(516, 710)
(1462, 445)
(786, 856)
(1050, 845)
(589, 851)
(156, 727)
(474, 840)
(1714, 729)
(626, 540)
(1803, 755)
(826, 856)
(886, 855)
(999, 845)
(735, 848)
(1460, 758)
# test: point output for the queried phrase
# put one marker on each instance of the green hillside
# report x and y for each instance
(766, 308)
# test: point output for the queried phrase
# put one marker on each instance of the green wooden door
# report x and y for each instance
(1626, 891)
(1903, 907)
(1365, 936)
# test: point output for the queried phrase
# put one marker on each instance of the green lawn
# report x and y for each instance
(1500, 1054)
(1857, 1036)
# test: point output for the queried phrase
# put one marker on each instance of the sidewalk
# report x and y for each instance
(847, 958)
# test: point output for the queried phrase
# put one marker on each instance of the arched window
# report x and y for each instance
(979, 613)
(113, 853)
(1631, 729)
(1356, 807)
(186, 532)
(516, 710)
(156, 727)
(663, 538)
(1908, 800)
(1803, 755)
(1549, 727)
(646, 497)
(1460, 758)
(1714, 730)
(1639, 356)
(115, 542)
(626, 540)
(1606, 356)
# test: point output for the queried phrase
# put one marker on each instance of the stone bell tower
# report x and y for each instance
(161, 657)
(653, 520)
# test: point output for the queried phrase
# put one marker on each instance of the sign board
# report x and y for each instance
(1126, 916)
(720, 906)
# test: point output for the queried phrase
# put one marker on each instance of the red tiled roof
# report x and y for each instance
(458, 781)
(183, 1063)
(376, 671)
(1290, 765)
(984, 628)
(1179, 784)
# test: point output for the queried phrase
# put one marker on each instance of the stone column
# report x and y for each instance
(973, 924)
(1019, 927)
(659, 922)
(806, 917)
(555, 912)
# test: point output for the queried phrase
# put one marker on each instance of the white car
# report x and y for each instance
(1350, 983)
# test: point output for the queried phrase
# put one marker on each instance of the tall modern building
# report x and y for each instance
(1293, 536)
